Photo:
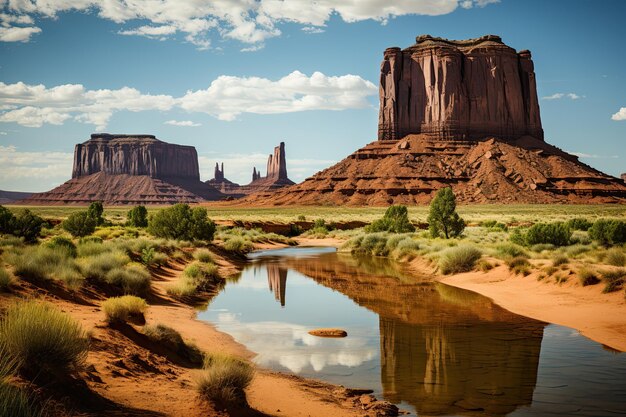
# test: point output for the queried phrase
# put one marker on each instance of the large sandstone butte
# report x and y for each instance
(462, 114)
(131, 169)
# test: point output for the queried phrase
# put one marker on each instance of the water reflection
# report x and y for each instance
(434, 348)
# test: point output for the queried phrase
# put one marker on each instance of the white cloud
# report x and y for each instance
(253, 48)
(248, 21)
(226, 98)
(593, 156)
(3, 133)
(38, 167)
(17, 34)
(620, 115)
(558, 96)
(312, 30)
(182, 123)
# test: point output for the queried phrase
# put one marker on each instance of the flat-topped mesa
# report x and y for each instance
(458, 90)
(277, 163)
(135, 155)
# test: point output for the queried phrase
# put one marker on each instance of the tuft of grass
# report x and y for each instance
(38, 336)
(510, 250)
(613, 280)
(6, 280)
(484, 265)
(172, 340)
(587, 277)
(459, 259)
(224, 379)
(238, 244)
(91, 248)
(519, 265)
(203, 255)
(133, 279)
(42, 263)
(560, 278)
(121, 309)
(96, 267)
(615, 257)
(196, 277)
(559, 260)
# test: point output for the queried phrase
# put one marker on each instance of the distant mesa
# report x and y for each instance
(7, 197)
(131, 169)
(275, 179)
(460, 114)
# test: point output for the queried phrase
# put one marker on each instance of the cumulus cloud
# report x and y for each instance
(593, 156)
(36, 105)
(226, 98)
(312, 30)
(243, 20)
(620, 115)
(49, 168)
(558, 96)
(182, 123)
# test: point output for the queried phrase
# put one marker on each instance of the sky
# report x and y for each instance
(236, 77)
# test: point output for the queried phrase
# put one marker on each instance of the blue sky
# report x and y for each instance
(235, 77)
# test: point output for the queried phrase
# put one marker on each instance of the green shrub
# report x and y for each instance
(124, 308)
(132, 279)
(459, 259)
(203, 255)
(238, 244)
(7, 220)
(137, 217)
(147, 256)
(95, 211)
(615, 257)
(96, 267)
(519, 265)
(39, 337)
(6, 280)
(224, 379)
(510, 250)
(613, 280)
(87, 248)
(442, 216)
(65, 243)
(180, 222)
(41, 263)
(578, 223)
(608, 232)
(517, 237)
(557, 234)
(172, 340)
(395, 220)
(587, 277)
(406, 247)
(27, 225)
(79, 224)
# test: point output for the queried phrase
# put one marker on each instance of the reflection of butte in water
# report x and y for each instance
(443, 350)
(277, 280)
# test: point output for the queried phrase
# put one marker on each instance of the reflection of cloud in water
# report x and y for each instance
(291, 346)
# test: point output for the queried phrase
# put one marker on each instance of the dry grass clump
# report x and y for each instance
(615, 257)
(172, 340)
(559, 260)
(237, 244)
(203, 255)
(132, 279)
(14, 402)
(459, 259)
(587, 277)
(97, 266)
(484, 265)
(224, 379)
(42, 263)
(124, 308)
(197, 276)
(613, 280)
(506, 251)
(6, 280)
(519, 265)
(38, 336)
(91, 247)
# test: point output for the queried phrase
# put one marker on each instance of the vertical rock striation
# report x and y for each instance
(458, 90)
(135, 155)
(277, 163)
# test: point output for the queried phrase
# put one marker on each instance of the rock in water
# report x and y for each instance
(328, 332)
(454, 90)
(131, 169)
(460, 114)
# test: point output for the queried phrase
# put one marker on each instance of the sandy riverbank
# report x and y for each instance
(600, 317)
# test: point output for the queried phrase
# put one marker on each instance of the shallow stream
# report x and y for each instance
(433, 349)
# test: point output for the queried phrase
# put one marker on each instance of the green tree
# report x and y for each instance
(7, 220)
(443, 218)
(180, 222)
(28, 225)
(137, 217)
(95, 211)
(395, 220)
(80, 224)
